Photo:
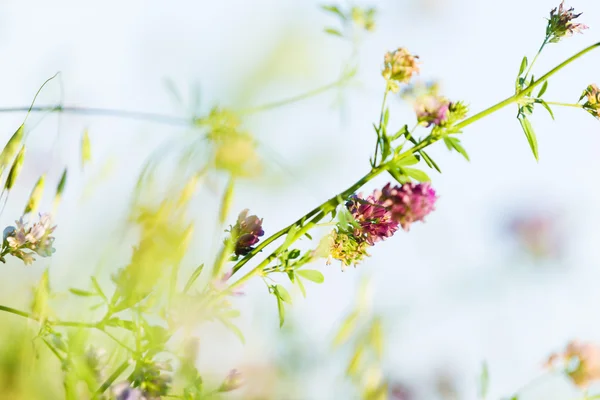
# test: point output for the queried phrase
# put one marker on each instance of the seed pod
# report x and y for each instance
(86, 148)
(11, 148)
(36, 195)
(15, 170)
(60, 188)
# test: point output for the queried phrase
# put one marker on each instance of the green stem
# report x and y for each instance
(319, 212)
(18, 312)
(536, 57)
(112, 378)
(381, 117)
(555, 103)
(294, 99)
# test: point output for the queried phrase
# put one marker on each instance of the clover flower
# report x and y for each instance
(246, 233)
(592, 105)
(561, 24)
(581, 362)
(399, 65)
(432, 110)
(374, 219)
(233, 381)
(409, 203)
(19, 239)
(124, 391)
(346, 247)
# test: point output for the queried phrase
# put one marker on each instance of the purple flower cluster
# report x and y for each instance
(432, 110)
(378, 217)
(409, 203)
(561, 24)
(246, 233)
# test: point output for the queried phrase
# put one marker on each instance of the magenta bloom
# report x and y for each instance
(432, 110)
(409, 203)
(374, 218)
(246, 232)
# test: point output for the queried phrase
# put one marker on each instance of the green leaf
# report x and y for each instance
(403, 131)
(398, 176)
(98, 289)
(197, 272)
(376, 337)
(86, 148)
(290, 237)
(283, 294)
(82, 293)
(308, 235)
(346, 329)
(301, 286)
(454, 143)
(547, 107)
(356, 360)
(334, 10)
(312, 275)
(233, 328)
(543, 89)
(530, 134)
(416, 174)
(231, 314)
(280, 311)
(36, 195)
(409, 160)
(484, 381)
(294, 254)
(524, 64)
(333, 31)
(60, 188)
(386, 117)
(430, 162)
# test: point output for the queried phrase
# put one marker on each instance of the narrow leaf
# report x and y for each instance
(397, 175)
(334, 10)
(454, 143)
(15, 169)
(311, 275)
(484, 381)
(60, 188)
(543, 89)
(348, 326)
(86, 148)
(301, 286)
(11, 148)
(333, 31)
(98, 288)
(547, 107)
(409, 160)
(524, 64)
(283, 294)
(281, 312)
(226, 202)
(430, 162)
(82, 293)
(233, 328)
(530, 134)
(193, 278)
(36, 195)
(417, 174)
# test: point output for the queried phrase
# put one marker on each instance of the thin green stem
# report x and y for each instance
(381, 118)
(18, 312)
(112, 378)
(536, 57)
(294, 99)
(319, 212)
(555, 103)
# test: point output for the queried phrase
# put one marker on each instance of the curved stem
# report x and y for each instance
(112, 378)
(294, 99)
(555, 103)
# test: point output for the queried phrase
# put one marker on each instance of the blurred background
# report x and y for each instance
(504, 272)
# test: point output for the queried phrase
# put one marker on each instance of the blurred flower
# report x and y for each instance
(374, 218)
(246, 233)
(432, 110)
(345, 247)
(580, 361)
(37, 238)
(409, 203)
(537, 233)
(364, 18)
(561, 24)
(592, 105)
(233, 381)
(221, 284)
(400, 392)
(399, 65)
(124, 391)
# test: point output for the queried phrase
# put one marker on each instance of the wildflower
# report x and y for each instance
(399, 66)
(561, 24)
(374, 219)
(345, 247)
(232, 381)
(409, 203)
(124, 391)
(581, 362)
(592, 105)
(364, 18)
(246, 233)
(37, 239)
(432, 110)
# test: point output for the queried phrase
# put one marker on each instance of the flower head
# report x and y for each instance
(432, 110)
(233, 381)
(561, 24)
(346, 247)
(592, 105)
(581, 362)
(36, 238)
(399, 65)
(374, 220)
(246, 233)
(124, 391)
(409, 203)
